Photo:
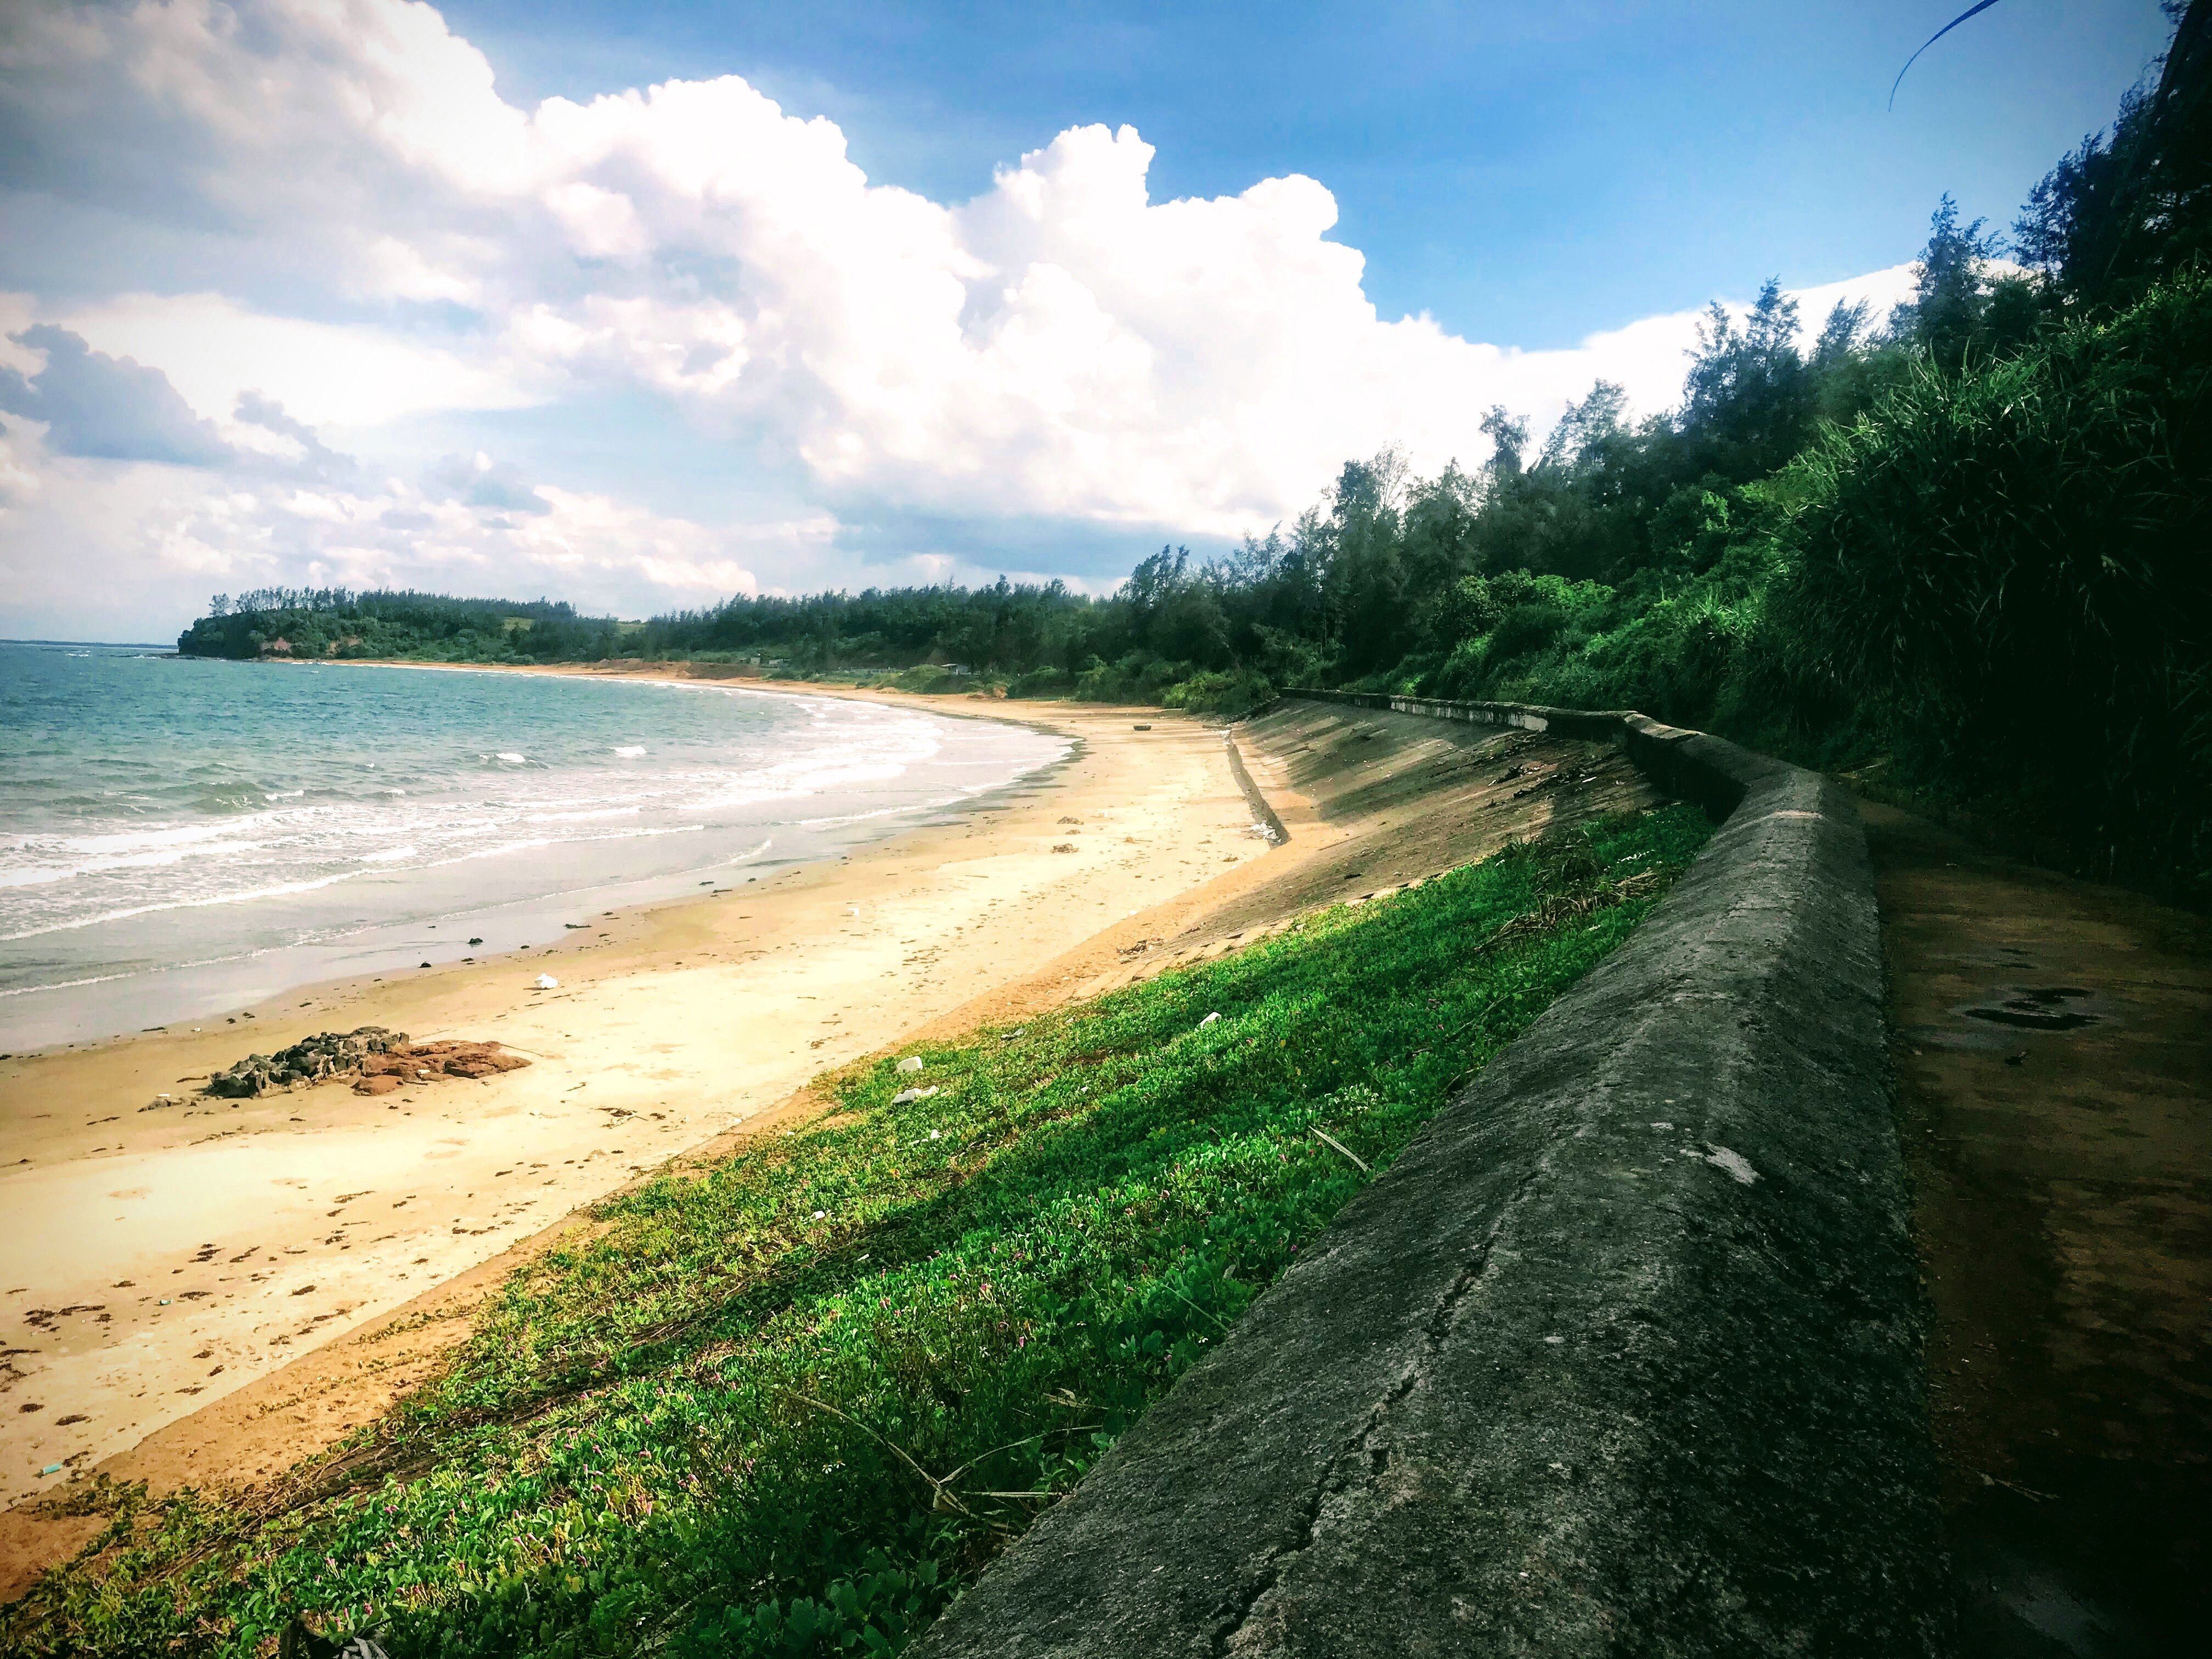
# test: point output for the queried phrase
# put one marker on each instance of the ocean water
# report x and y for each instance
(179, 836)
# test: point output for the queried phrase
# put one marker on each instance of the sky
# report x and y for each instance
(645, 305)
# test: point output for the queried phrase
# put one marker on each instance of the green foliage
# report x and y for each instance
(429, 626)
(1212, 692)
(2115, 217)
(789, 1407)
(2013, 558)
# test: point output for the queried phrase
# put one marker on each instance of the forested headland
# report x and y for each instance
(1962, 547)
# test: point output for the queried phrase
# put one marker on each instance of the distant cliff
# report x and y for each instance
(335, 623)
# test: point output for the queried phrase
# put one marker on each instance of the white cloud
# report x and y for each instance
(1063, 349)
(134, 548)
(215, 350)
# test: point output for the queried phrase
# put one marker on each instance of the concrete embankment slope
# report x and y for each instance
(1622, 1356)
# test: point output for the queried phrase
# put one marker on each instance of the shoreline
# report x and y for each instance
(161, 982)
(295, 1220)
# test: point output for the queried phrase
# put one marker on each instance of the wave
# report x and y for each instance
(129, 827)
(46, 875)
(69, 984)
(277, 889)
(591, 816)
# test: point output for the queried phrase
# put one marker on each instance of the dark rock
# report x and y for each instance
(307, 1062)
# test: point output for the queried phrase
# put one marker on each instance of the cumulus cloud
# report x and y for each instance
(291, 443)
(106, 408)
(216, 350)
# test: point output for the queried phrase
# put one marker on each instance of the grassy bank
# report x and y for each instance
(791, 1405)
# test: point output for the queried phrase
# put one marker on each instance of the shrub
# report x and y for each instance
(2014, 559)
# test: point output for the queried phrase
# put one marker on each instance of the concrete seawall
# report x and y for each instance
(1621, 1356)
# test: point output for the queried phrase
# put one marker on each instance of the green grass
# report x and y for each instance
(792, 1406)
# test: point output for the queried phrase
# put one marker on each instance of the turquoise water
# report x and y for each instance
(177, 836)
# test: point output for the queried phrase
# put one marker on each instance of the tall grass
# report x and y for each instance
(2016, 561)
(791, 1406)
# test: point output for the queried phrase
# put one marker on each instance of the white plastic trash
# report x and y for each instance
(1207, 1021)
(905, 1095)
(545, 982)
(911, 1064)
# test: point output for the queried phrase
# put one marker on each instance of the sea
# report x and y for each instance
(180, 836)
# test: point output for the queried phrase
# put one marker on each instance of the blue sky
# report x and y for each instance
(1528, 172)
(369, 292)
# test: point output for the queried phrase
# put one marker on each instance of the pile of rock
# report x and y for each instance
(312, 1060)
(381, 1061)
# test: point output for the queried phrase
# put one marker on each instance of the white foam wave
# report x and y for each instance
(584, 817)
(45, 875)
(277, 889)
(507, 846)
(65, 984)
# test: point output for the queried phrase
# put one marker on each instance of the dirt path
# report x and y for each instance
(2054, 1060)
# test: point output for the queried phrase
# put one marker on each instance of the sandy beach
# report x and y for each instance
(204, 1293)
(166, 1250)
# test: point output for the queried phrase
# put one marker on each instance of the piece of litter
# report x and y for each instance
(1207, 1021)
(910, 1065)
(1735, 1162)
(936, 1135)
(818, 1214)
(905, 1095)
(50, 1468)
(1662, 1126)
(1346, 1150)
(545, 982)
(1555, 1341)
